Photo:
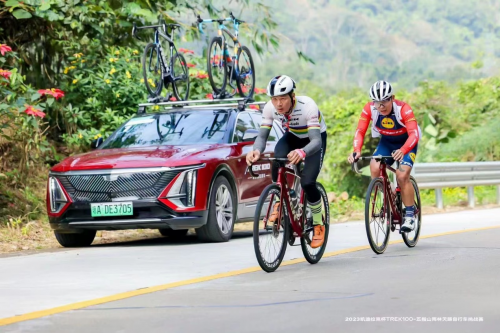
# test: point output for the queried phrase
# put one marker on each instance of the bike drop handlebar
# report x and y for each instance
(201, 21)
(354, 166)
(280, 159)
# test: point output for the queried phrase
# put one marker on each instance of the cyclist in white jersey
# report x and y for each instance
(304, 139)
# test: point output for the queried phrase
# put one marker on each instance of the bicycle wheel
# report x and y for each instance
(270, 240)
(180, 73)
(151, 70)
(411, 238)
(246, 73)
(313, 256)
(216, 65)
(377, 217)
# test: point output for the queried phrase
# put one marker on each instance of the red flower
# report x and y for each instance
(191, 65)
(244, 89)
(260, 91)
(4, 49)
(186, 51)
(173, 99)
(6, 74)
(202, 76)
(209, 96)
(57, 93)
(255, 107)
(30, 110)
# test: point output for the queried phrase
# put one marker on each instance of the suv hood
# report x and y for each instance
(140, 157)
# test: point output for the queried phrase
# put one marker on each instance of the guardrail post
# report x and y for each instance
(498, 194)
(439, 197)
(470, 195)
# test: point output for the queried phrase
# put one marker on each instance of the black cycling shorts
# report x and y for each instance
(312, 166)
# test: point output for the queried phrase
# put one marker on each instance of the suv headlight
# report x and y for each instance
(183, 192)
(56, 196)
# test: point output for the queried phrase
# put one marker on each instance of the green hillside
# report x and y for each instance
(355, 42)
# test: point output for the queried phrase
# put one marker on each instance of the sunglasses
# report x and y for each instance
(382, 102)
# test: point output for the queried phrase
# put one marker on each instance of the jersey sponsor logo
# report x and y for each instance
(412, 156)
(388, 123)
(409, 111)
(411, 119)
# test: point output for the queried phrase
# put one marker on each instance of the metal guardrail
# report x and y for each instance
(457, 174)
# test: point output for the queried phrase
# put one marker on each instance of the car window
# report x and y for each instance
(257, 117)
(243, 123)
(172, 128)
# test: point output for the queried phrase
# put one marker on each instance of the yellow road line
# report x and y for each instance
(128, 294)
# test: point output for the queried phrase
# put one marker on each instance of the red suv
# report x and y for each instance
(172, 170)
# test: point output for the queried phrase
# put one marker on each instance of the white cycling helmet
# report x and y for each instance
(381, 90)
(280, 85)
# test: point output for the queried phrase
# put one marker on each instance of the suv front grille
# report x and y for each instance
(105, 187)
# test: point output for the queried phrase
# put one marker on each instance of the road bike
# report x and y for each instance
(384, 207)
(161, 69)
(238, 70)
(294, 218)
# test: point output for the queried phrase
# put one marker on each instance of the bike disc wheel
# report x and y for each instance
(246, 72)
(313, 256)
(270, 239)
(377, 217)
(180, 73)
(216, 65)
(151, 70)
(411, 238)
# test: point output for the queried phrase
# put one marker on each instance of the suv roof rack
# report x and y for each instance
(241, 103)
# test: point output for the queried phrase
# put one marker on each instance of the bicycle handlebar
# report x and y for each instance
(278, 159)
(156, 26)
(354, 166)
(231, 18)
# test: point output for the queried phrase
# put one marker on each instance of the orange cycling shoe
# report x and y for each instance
(319, 236)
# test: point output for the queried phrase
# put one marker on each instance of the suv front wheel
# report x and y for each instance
(221, 213)
(76, 240)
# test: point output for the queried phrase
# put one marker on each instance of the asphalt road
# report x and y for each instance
(443, 278)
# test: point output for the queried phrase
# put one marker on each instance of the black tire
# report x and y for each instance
(216, 49)
(377, 186)
(173, 234)
(411, 238)
(150, 53)
(180, 70)
(83, 239)
(247, 69)
(261, 211)
(313, 256)
(216, 230)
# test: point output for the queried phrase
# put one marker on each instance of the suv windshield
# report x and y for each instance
(173, 128)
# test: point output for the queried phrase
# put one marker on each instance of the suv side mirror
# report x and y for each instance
(96, 143)
(250, 135)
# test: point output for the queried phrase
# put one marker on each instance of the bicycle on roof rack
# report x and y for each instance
(160, 68)
(238, 70)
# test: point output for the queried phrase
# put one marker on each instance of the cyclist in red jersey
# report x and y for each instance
(395, 123)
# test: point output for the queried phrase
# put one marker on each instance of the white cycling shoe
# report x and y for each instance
(409, 224)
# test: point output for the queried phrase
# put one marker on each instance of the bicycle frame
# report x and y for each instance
(165, 69)
(296, 217)
(388, 194)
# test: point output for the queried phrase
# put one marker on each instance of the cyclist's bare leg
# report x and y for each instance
(407, 191)
(375, 169)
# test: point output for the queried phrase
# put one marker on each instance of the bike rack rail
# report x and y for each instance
(240, 103)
